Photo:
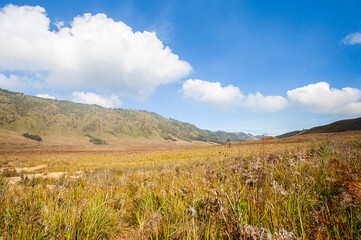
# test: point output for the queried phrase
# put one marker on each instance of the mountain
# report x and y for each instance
(339, 126)
(259, 136)
(289, 134)
(57, 119)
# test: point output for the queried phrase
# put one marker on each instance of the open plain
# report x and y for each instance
(302, 187)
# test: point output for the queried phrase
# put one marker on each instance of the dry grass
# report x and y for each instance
(297, 188)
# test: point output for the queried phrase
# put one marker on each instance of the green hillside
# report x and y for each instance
(45, 117)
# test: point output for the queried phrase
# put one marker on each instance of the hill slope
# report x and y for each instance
(53, 118)
(339, 126)
(289, 134)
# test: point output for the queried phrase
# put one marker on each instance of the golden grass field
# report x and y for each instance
(304, 187)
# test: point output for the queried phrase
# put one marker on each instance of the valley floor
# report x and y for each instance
(303, 187)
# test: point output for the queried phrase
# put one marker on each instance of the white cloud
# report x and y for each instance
(230, 96)
(18, 83)
(92, 98)
(212, 93)
(45, 95)
(353, 108)
(265, 103)
(94, 52)
(317, 98)
(352, 38)
(10, 83)
(320, 98)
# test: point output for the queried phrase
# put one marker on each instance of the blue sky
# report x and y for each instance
(250, 66)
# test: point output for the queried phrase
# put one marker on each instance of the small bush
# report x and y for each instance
(33, 137)
(97, 141)
(169, 137)
(8, 173)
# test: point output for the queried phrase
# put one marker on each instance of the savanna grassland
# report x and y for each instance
(305, 187)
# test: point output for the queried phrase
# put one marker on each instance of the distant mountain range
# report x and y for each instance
(21, 113)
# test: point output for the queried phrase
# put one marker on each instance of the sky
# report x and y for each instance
(239, 66)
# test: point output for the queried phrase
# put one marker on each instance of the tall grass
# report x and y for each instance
(279, 192)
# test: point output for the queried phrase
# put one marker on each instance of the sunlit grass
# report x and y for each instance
(307, 189)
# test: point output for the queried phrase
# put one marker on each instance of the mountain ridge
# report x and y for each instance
(289, 134)
(22, 113)
(338, 126)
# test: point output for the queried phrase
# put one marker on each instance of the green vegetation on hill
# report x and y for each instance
(94, 140)
(22, 113)
(33, 137)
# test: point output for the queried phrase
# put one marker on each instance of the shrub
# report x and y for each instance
(33, 137)
(97, 141)
(169, 137)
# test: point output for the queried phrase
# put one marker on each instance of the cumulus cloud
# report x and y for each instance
(92, 98)
(18, 83)
(230, 96)
(212, 93)
(45, 95)
(265, 103)
(94, 52)
(10, 83)
(320, 98)
(317, 98)
(352, 38)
